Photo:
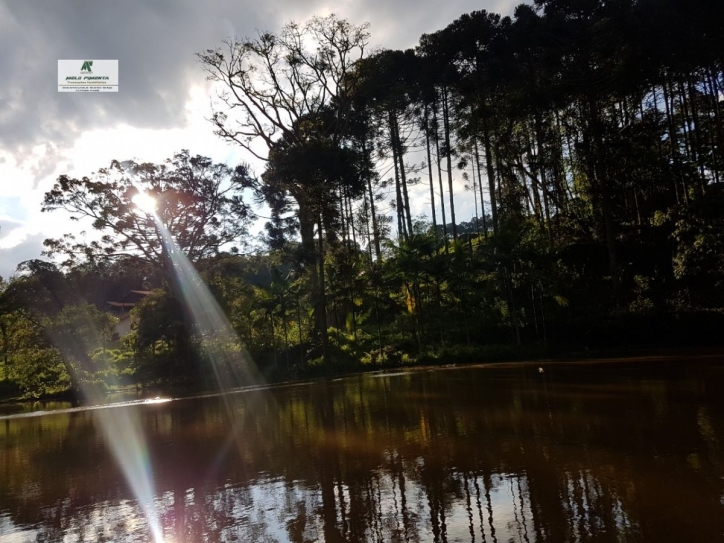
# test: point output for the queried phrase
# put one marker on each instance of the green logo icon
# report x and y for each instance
(86, 68)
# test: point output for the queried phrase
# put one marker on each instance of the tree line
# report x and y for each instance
(587, 133)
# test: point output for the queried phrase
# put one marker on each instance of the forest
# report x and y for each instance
(587, 133)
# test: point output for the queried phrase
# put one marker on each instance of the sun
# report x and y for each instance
(145, 202)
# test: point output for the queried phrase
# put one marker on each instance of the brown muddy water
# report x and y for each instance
(608, 451)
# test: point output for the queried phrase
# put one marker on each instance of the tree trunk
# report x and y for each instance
(429, 169)
(403, 175)
(401, 229)
(542, 172)
(490, 170)
(439, 178)
(674, 140)
(375, 228)
(320, 309)
(600, 175)
(448, 153)
(480, 187)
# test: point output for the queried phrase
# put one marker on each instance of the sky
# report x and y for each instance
(163, 101)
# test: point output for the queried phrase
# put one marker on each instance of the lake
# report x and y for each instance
(628, 450)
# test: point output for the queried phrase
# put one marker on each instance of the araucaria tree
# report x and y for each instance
(285, 99)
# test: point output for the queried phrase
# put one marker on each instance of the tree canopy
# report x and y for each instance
(199, 202)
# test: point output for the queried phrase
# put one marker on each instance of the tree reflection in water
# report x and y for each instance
(601, 453)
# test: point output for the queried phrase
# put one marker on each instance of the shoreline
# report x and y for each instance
(603, 357)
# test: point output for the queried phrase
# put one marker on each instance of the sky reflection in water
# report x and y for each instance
(595, 453)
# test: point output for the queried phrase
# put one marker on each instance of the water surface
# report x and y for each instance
(629, 451)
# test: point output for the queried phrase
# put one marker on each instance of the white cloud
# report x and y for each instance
(13, 238)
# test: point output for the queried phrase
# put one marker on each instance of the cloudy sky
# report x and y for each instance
(163, 98)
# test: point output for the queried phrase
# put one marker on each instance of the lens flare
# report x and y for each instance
(124, 435)
(145, 202)
(231, 363)
(123, 432)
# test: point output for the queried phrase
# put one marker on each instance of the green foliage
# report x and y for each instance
(594, 161)
(698, 233)
(39, 372)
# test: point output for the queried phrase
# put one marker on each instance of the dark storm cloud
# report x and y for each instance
(154, 43)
